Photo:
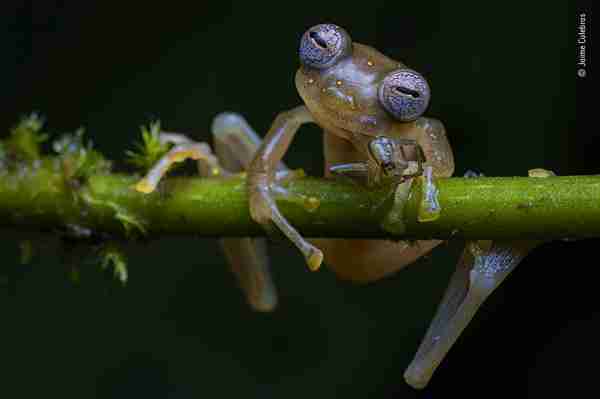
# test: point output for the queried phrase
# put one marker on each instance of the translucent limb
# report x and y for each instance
(481, 269)
(476, 277)
(179, 153)
(261, 176)
(235, 144)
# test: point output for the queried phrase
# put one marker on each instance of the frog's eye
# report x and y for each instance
(323, 45)
(405, 94)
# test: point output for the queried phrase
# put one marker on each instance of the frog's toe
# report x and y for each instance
(314, 258)
(145, 186)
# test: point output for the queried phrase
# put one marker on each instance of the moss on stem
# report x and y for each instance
(35, 195)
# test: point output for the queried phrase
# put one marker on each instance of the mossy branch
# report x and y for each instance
(37, 196)
(74, 190)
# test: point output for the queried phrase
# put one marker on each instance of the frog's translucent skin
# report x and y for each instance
(340, 88)
(476, 277)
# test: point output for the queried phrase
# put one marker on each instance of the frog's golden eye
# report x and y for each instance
(323, 45)
(405, 94)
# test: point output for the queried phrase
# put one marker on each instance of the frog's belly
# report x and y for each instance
(363, 260)
(369, 260)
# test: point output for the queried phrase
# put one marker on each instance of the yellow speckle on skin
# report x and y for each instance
(311, 81)
(370, 63)
(338, 82)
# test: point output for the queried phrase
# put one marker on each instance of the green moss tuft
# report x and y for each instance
(25, 139)
(112, 255)
(149, 150)
(78, 158)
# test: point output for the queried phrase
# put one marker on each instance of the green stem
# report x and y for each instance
(37, 197)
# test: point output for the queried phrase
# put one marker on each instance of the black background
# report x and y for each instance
(503, 78)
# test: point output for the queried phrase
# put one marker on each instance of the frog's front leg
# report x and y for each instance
(235, 144)
(370, 260)
(262, 186)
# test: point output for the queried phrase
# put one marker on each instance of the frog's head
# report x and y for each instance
(354, 87)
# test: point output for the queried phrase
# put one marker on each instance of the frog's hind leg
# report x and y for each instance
(235, 144)
(478, 273)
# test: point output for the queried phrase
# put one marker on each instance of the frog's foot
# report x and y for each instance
(479, 272)
(264, 211)
(368, 173)
(405, 167)
(184, 149)
(388, 162)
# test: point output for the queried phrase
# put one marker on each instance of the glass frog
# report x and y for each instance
(370, 108)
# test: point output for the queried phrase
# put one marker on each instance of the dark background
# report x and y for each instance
(503, 78)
